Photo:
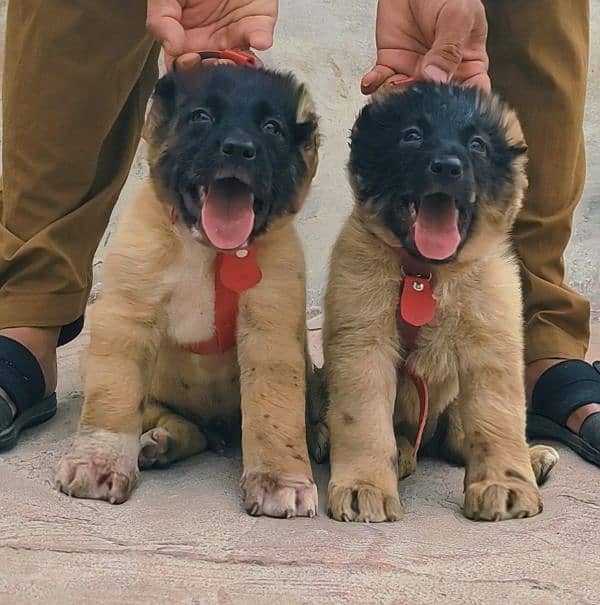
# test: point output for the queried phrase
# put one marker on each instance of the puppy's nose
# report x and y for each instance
(238, 147)
(449, 167)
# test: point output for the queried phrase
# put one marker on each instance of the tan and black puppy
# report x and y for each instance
(232, 153)
(438, 175)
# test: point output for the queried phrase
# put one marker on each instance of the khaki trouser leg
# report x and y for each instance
(77, 78)
(538, 61)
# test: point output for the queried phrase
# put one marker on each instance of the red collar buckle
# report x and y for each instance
(238, 57)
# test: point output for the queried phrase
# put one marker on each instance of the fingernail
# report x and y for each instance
(401, 80)
(436, 74)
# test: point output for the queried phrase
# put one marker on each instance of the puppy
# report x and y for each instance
(202, 317)
(438, 175)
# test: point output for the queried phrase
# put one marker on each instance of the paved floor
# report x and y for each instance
(183, 538)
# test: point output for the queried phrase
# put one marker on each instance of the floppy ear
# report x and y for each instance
(162, 109)
(518, 150)
(306, 129)
(363, 119)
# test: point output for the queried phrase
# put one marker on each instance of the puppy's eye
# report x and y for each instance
(273, 127)
(412, 135)
(477, 144)
(201, 116)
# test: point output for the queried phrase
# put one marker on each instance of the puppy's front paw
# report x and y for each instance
(363, 502)
(497, 500)
(101, 465)
(278, 494)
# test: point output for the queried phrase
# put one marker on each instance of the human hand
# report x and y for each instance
(184, 27)
(435, 40)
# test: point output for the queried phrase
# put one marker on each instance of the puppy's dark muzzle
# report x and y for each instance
(238, 148)
(447, 169)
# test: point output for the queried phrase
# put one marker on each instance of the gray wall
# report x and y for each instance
(329, 44)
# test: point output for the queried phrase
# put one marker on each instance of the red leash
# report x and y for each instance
(416, 308)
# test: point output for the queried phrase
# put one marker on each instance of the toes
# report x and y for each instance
(94, 479)
(363, 503)
(154, 445)
(543, 459)
(279, 495)
(101, 465)
(497, 501)
(318, 442)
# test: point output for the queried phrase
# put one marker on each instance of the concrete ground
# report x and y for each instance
(183, 538)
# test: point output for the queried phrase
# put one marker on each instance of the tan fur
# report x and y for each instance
(140, 383)
(470, 356)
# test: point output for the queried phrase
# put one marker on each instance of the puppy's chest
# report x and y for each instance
(191, 281)
(436, 348)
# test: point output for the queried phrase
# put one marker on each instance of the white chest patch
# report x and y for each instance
(191, 280)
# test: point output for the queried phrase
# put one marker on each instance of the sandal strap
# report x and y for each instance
(70, 331)
(564, 388)
(590, 429)
(20, 374)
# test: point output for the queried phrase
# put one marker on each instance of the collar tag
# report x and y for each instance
(239, 272)
(417, 304)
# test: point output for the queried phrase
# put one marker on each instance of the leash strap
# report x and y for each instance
(423, 392)
(416, 308)
(234, 274)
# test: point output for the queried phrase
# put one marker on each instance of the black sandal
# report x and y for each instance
(560, 391)
(22, 387)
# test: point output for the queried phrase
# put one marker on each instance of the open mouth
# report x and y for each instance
(437, 226)
(227, 215)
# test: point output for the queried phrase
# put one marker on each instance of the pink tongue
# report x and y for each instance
(436, 228)
(228, 215)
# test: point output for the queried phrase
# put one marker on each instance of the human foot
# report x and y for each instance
(41, 342)
(563, 399)
(27, 380)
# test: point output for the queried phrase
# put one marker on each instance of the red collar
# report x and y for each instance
(416, 308)
(243, 58)
(235, 272)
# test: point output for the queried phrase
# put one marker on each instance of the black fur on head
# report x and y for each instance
(437, 152)
(236, 129)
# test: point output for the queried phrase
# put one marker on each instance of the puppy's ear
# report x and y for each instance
(363, 120)
(518, 150)
(162, 109)
(306, 129)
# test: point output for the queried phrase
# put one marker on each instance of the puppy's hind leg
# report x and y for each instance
(452, 436)
(317, 402)
(167, 437)
(543, 460)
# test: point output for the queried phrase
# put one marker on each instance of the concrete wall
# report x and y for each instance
(329, 44)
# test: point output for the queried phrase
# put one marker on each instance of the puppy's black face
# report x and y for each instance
(229, 149)
(429, 161)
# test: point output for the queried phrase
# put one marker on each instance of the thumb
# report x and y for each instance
(168, 31)
(452, 29)
(375, 78)
(260, 39)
